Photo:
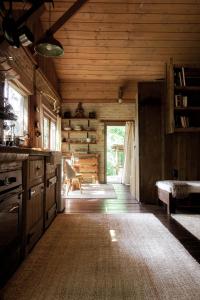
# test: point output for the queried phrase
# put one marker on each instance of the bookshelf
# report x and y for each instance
(183, 98)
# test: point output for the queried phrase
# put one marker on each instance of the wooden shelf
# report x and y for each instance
(69, 119)
(79, 143)
(188, 108)
(78, 131)
(187, 88)
(183, 94)
(187, 129)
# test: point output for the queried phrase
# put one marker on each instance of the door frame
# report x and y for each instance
(106, 124)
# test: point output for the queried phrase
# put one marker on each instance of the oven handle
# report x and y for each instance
(11, 194)
(14, 208)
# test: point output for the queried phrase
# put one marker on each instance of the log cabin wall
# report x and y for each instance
(102, 98)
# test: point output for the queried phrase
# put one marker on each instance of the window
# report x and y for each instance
(49, 131)
(19, 103)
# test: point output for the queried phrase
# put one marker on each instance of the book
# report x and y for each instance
(183, 76)
(178, 100)
(185, 101)
(180, 79)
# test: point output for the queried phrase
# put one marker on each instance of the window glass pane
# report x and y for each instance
(46, 133)
(19, 104)
(53, 136)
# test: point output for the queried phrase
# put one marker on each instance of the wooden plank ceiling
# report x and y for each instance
(125, 39)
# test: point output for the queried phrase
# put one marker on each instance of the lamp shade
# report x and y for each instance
(49, 47)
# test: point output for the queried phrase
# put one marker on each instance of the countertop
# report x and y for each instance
(23, 150)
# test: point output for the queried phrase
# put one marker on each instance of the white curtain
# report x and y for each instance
(58, 133)
(128, 152)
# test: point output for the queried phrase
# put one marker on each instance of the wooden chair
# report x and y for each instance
(71, 177)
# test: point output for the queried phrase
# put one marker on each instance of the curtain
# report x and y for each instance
(58, 133)
(128, 152)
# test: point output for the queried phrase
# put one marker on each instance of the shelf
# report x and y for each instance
(69, 119)
(90, 154)
(186, 88)
(183, 94)
(193, 108)
(187, 129)
(79, 131)
(79, 143)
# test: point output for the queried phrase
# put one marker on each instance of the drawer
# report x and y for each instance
(50, 171)
(51, 181)
(36, 171)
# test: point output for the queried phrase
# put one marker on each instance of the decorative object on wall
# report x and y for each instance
(79, 112)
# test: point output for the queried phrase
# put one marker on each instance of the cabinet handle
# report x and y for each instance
(32, 193)
(38, 168)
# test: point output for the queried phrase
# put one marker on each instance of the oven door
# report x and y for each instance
(10, 232)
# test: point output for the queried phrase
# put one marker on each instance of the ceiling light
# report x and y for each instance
(49, 47)
(120, 94)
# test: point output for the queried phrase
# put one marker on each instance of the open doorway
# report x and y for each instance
(115, 134)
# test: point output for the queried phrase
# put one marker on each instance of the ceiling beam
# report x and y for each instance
(66, 16)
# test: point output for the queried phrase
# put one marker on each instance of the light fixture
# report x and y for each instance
(15, 35)
(49, 47)
(120, 95)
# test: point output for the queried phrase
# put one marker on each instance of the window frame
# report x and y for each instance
(46, 113)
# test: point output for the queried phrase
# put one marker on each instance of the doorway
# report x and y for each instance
(114, 161)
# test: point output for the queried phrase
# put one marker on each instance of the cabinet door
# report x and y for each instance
(34, 215)
(50, 201)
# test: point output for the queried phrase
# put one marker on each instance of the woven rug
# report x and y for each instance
(100, 191)
(106, 257)
(191, 222)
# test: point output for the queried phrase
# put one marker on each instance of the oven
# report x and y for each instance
(10, 219)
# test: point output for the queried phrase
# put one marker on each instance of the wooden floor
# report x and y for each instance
(125, 203)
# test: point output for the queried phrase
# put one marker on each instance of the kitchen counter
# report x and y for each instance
(23, 150)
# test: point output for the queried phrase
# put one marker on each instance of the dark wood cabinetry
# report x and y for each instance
(50, 207)
(34, 215)
(11, 194)
(34, 201)
(28, 194)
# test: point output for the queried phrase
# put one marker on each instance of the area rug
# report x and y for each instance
(100, 191)
(191, 222)
(106, 257)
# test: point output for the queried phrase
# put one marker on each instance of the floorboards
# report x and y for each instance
(125, 203)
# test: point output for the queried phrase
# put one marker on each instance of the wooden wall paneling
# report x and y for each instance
(150, 101)
(109, 34)
(97, 91)
(182, 154)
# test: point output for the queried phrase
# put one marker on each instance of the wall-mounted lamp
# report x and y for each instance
(120, 95)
